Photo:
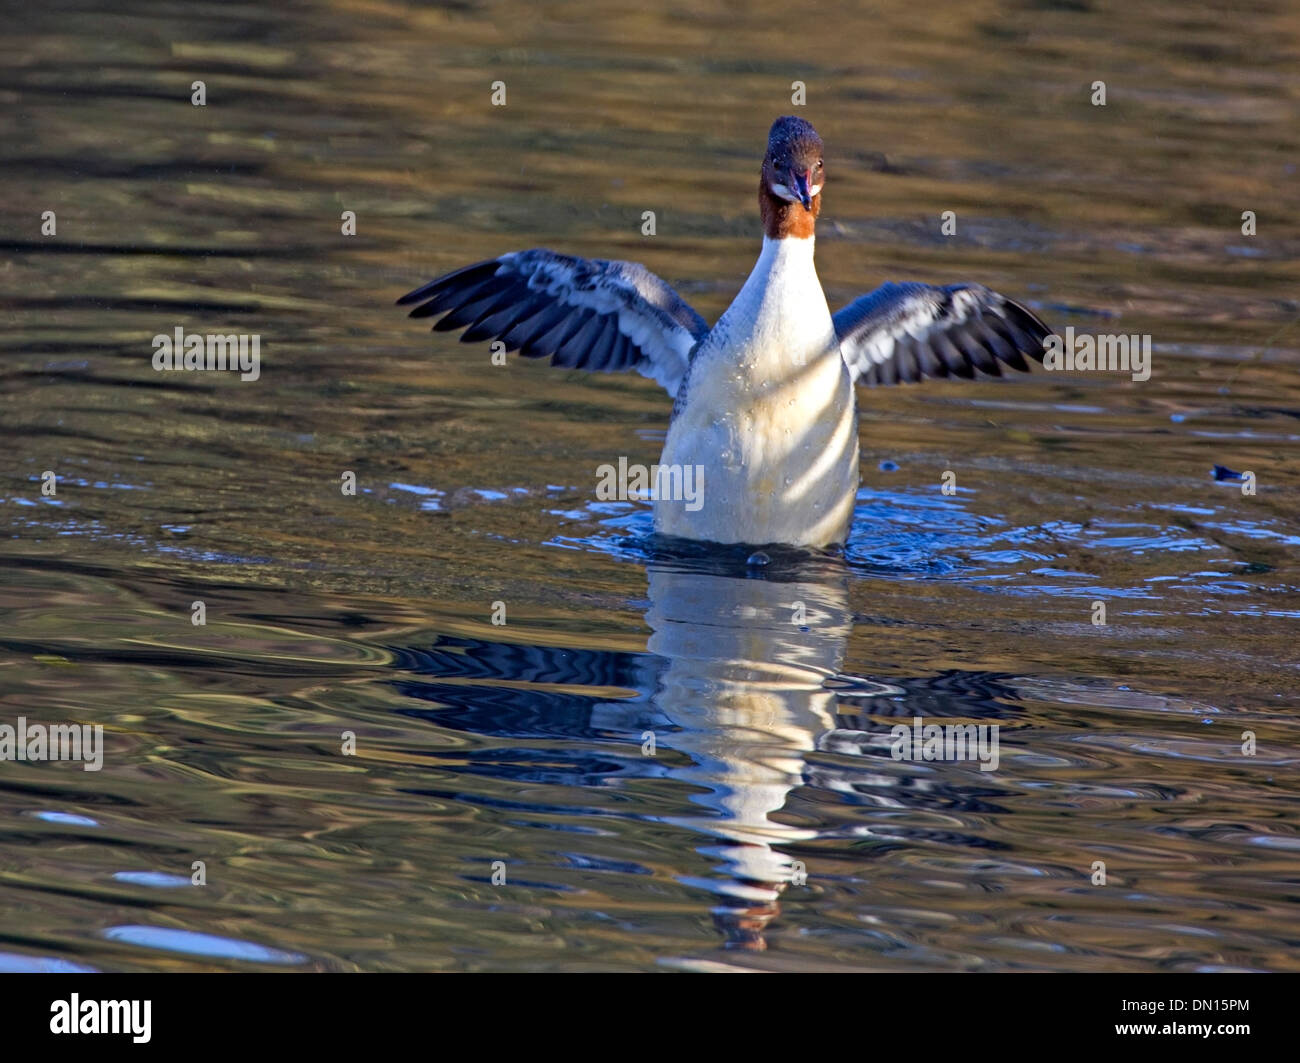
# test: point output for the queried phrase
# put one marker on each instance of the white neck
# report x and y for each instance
(780, 316)
(788, 248)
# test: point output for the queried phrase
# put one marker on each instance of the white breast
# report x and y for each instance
(768, 415)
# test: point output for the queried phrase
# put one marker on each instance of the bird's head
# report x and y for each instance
(793, 169)
(789, 191)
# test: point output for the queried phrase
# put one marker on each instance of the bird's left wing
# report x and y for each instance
(583, 313)
(903, 332)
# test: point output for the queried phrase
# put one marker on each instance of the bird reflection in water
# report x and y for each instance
(741, 682)
(747, 662)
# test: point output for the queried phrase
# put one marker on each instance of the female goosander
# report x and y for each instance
(764, 401)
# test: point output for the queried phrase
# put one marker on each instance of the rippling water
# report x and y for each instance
(771, 828)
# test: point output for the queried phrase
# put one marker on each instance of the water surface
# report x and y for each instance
(771, 829)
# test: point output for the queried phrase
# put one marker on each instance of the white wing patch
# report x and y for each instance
(582, 313)
(903, 332)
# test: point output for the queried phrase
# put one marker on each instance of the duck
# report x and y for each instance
(765, 401)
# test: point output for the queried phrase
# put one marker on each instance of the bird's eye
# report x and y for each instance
(819, 164)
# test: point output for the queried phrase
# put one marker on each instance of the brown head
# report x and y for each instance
(789, 193)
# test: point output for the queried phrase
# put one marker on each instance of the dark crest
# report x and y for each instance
(793, 141)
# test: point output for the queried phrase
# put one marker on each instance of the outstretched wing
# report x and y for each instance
(909, 331)
(583, 313)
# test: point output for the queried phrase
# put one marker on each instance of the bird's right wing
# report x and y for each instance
(583, 313)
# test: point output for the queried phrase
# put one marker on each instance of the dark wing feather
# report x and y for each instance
(582, 313)
(909, 331)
